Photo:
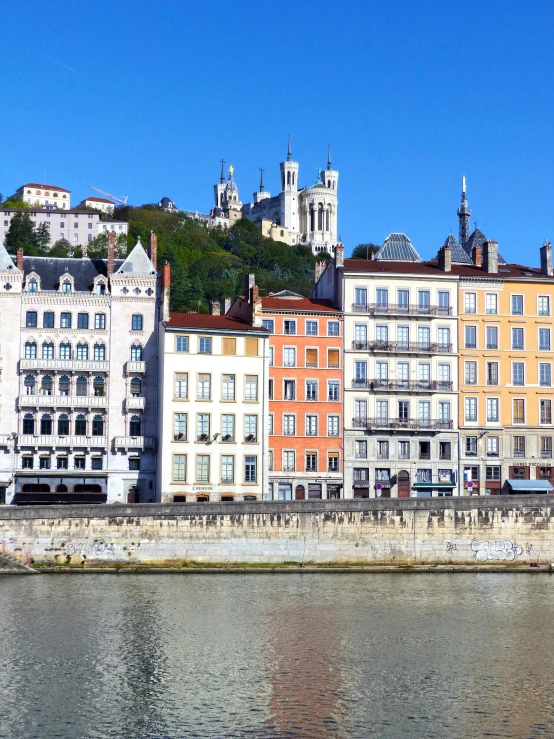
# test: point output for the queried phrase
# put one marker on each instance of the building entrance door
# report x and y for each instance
(403, 484)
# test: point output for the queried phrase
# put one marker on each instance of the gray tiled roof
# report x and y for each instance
(459, 255)
(137, 262)
(478, 238)
(83, 271)
(398, 247)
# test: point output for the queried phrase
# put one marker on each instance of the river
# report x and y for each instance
(272, 656)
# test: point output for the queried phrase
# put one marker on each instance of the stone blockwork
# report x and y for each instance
(414, 531)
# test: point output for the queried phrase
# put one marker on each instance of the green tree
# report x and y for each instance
(364, 251)
(21, 233)
(42, 236)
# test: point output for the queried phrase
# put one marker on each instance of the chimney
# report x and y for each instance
(19, 259)
(490, 257)
(255, 307)
(153, 248)
(372, 255)
(226, 306)
(111, 253)
(249, 282)
(477, 256)
(445, 259)
(319, 268)
(166, 284)
(546, 258)
(215, 308)
(339, 255)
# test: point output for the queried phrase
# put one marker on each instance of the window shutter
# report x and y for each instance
(333, 358)
(229, 346)
(251, 347)
(311, 357)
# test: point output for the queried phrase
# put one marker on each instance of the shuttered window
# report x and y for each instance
(311, 357)
(333, 358)
(229, 346)
(251, 347)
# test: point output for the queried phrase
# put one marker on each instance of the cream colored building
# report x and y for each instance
(46, 196)
(102, 204)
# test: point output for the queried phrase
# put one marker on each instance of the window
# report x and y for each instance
(311, 357)
(48, 320)
(269, 324)
(136, 353)
(382, 334)
(46, 425)
(382, 297)
(27, 463)
(204, 386)
(135, 387)
(445, 450)
(82, 351)
(492, 473)
(517, 305)
(181, 344)
(135, 426)
(333, 358)
(545, 411)
(250, 428)
(470, 337)
(99, 352)
(270, 424)
(492, 373)
(444, 303)
(333, 328)
(289, 357)
(471, 373)
(229, 346)
(470, 302)
(134, 463)
(545, 375)
(66, 285)
(518, 373)
(519, 446)
(444, 411)
(311, 328)
(63, 425)
(471, 409)
(333, 389)
(250, 472)
(492, 446)
(361, 449)
(544, 339)
(311, 461)
(180, 424)
(228, 427)
(311, 425)
(228, 387)
(361, 474)
(491, 303)
(228, 469)
(360, 296)
(517, 338)
(28, 423)
(403, 374)
(271, 356)
(360, 336)
(45, 463)
(546, 447)
(181, 385)
(492, 410)
(360, 371)
(46, 385)
(81, 386)
(444, 338)
(492, 337)
(289, 390)
(203, 427)
(30, 350)
(332, 425)
(48, 350)
(332, 462)
(382, 450)
(289, 424)
(82, 320)
(251, 347)
(423, 300)
(251, 387)
(289, 327)
(311, 390)
(136, 322)
(79, 463)
(270, 389)
(518, 410)
(33, 286)
(98, 426)
(544, 305)
(180, 467)
(205, 345)
(289, 462)
(424, 411)
(30, 384)
(31, 319)
(382, 407)
(100, 321)
(471, 446)
(65, 351)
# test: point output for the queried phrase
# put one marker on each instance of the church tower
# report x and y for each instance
(289, 196)
(464, 214)
(219, 189)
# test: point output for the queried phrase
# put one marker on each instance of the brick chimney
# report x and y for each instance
(339, 255)
(445, 259)
(490, 257)
(546, 258)
(477, 256)
(319, 268)
(255, 306)
(166, 287)
(153, 248)
(19, 259)
(215, 308)
(226, 306)
(111, 253)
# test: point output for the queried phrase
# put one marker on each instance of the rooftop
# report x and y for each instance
(207, 322)
(83, 271)
(505, 271)
(298, 304)
(45, 187)
(398, 246)
(97, 200)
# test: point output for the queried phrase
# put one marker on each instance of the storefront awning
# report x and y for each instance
(433, 485)
(530, 486)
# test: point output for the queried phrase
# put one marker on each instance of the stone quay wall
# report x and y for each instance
(499, 529)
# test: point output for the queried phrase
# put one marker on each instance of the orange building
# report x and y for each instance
(305, 397)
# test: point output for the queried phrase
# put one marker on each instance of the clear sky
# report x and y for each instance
(144, 98)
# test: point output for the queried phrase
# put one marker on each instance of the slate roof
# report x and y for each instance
(506, 271)
(478, 238)
(396, 247)
(83, 271)
(207, 322)
(137, 262)
(97, 200)
(297, 305)
(459, 255)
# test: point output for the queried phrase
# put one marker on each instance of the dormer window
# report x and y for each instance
(33, 286)
(66, 287)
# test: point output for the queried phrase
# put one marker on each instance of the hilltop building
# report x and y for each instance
(102, 204)
(45, 196)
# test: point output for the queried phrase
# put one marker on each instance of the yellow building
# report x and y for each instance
(506, 386)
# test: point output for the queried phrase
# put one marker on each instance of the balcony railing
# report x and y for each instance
(63, 401)
(406, 385)
(401, 423)
(546, 453)
(394, 309)
(425, 347)
(83, 365)
(134, 368)
(134, 404)
(424, 455)
(63, 441)
(134, 442)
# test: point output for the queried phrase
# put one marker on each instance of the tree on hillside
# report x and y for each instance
(97, 248)
(42, 236)
(364, 251)
(22, 233)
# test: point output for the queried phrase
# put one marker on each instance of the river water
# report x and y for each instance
(276, 655)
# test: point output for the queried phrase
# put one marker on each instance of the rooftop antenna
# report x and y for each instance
(328, 156)
(261, 179)
(288, 151)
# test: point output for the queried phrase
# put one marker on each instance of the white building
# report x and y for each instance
(102, 204)
(401, 370)
(213, 403)
(78, 341)
(46, 196)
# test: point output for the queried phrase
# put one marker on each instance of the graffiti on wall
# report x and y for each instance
(496, 551)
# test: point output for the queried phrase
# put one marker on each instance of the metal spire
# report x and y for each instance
(289, 156)
(261, 179)
(464, 215)
(222, 176)
(328, 156)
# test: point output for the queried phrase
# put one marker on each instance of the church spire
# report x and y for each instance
(222, 176)
(262, 179)
(464, 215)
(328, 156)
(289, 155)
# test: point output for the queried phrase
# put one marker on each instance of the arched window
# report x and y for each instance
(82, 351)
(136, 353)
(320, 217)
(61, 488)
(64, 385)
(30, 385)
(136, 387)
(98, 426)
(80, 425)
(288, 178)
(99, 352)
(327, 219)
(293, 177)
(81, 386)
(312, 218)
(46, 385)
(135, 426)
(48, 350)
(99, 386)
(30, 350)
(100, 288)
(28, 423)
(33, 287)
(46, 425)
(333, 185)
(65, 351)
(66, 284)
(63, 424)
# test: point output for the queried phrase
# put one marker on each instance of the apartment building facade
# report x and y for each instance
(305, 397)
(46, 196)
(77, 227)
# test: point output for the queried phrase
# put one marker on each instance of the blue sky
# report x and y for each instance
(143, 99)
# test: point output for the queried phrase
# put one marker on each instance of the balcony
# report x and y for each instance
(81, 365)
(402, 423)
(134, 442)
(411, 347)
(63, 401)
(136, 368)
(134, 404)
(62, 441)
(400, 309)
(406, 385)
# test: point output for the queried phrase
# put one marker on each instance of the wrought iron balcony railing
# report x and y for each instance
(406, 385)
(402, 309)
(401, 423)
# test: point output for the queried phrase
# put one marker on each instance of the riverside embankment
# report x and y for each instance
(482, 532)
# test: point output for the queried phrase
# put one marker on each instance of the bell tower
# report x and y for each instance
(289, 196)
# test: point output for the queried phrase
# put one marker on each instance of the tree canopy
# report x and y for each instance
(22, 233)
(364, 251)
